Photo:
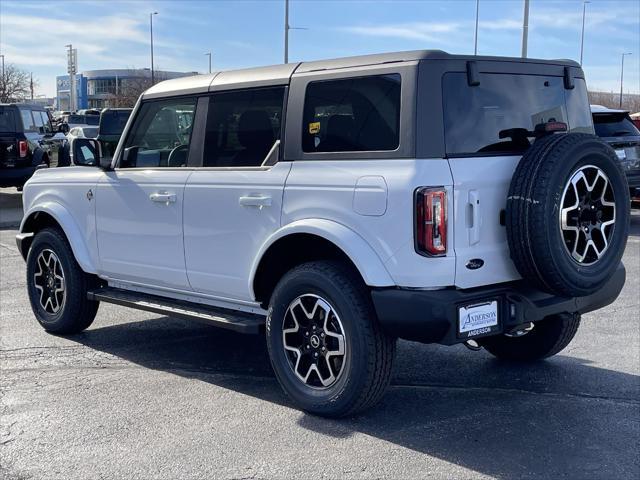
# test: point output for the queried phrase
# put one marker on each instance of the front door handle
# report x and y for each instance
(163, 197)
(255, 201)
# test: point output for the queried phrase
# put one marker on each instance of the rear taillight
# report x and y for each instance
(431, 221)
(22, 148)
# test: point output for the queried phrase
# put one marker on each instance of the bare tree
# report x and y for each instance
(15, 84)
(630, 101)
(132, 85)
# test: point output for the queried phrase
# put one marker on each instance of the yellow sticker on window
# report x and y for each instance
(314, 127)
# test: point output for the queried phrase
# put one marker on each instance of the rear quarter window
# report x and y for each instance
(7, 120)
(352, 114)
(498, 115)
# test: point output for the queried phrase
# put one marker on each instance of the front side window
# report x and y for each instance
(160, 135)
(38, 120)
(352, 114)
(242, 127)
(27, 121)
(45, 121)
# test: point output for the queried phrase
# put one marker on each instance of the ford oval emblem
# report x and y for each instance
(475, 263)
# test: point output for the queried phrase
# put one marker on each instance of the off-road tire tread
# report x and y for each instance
(78, 309)
(533, 346)
(527, 224)
(380, 346)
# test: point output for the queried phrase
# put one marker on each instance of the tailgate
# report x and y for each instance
(8, 151)
(481, 186)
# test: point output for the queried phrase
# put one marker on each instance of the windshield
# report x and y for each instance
(113, 122)
(500, 114)
(7, 120)
(614, 125)
(90, 132)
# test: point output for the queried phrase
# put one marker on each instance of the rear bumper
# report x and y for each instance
(431, 316)
(16, 177)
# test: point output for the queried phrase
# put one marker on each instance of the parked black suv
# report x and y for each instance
(617, 129)
(112, 123)
(27, 142)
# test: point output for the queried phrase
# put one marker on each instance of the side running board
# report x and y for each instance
(242, 322)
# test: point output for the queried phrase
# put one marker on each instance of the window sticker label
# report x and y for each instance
(314, 128)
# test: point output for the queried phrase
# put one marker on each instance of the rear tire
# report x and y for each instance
(323, 310)
(57, 285)
(549, 336)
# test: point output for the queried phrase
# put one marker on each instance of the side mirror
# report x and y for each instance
(85, 152)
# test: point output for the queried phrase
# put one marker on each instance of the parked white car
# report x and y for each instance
(338, 205)
(82, 132)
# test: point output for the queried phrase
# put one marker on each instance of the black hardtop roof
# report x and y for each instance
(30, 106)
(280, 74)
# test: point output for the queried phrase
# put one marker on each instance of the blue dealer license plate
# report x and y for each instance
(478, 319)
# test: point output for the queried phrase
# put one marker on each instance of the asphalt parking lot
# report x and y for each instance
(144, 396)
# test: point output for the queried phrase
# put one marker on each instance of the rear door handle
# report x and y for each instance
(163, 197)
(474, 231)
(255, 201)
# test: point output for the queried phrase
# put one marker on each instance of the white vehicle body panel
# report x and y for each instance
(334, 190)
(228, 216)
(139, 237)
(480, 193)
(62, 193)
(350, 242)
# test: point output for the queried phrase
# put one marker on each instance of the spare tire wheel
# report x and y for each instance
(567, 214)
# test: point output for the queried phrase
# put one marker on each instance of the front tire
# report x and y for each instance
(57, 285)
(548, 337)
(327, 349)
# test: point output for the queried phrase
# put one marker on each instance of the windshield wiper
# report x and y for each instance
(621, 133)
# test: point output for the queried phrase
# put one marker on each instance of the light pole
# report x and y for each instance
(3, 86)
(286, 31)
(622, 76)
(209, 54)
(475, 38)
(153, 77)
(525, 29)
(287, 27)
(584, 11)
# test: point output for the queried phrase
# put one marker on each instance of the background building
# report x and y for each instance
(110, 88)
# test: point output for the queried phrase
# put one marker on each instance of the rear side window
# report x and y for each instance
(499, 115)
(37, 119)
(352, 114)
(27, 121)
(7, 120)
(614, 125)
(242, 127)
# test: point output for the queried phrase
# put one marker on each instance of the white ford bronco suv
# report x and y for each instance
(339, 205)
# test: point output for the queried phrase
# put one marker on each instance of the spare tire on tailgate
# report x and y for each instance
(567, 214)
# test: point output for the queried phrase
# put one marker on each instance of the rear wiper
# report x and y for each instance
(621, 133)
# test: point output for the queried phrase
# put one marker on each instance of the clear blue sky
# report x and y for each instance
(243, 33)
